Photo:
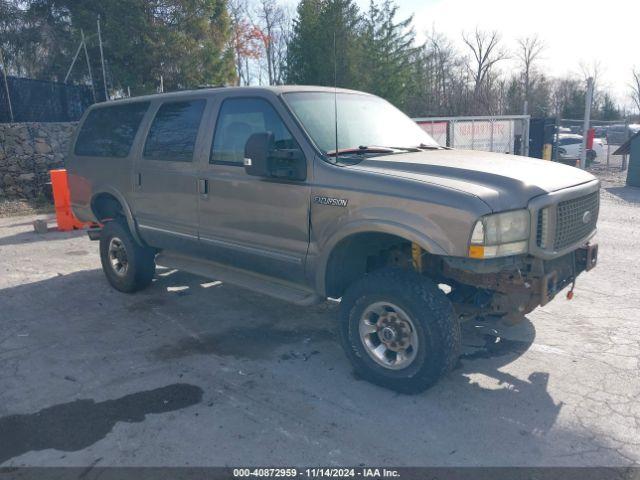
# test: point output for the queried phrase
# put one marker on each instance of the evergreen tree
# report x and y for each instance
(188, 42)
(389, 56)
(303, 47)
(609, 110)
(312, 57)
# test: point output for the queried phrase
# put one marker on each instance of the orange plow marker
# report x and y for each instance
(62, 200)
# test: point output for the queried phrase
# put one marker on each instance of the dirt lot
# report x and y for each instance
(193, 372)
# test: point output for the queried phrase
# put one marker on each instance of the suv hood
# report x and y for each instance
(504, 182)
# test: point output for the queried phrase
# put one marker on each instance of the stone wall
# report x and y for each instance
(27, 152)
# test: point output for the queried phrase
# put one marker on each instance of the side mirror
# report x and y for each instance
(262, 159)
(256, 154)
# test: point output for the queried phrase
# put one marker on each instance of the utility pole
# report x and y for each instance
(104, 73)
(83, 45)
(6, 85)
(587, 121)
(73, 62)
(86, 55)
(627, 133)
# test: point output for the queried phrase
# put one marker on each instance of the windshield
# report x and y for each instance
(363, 121)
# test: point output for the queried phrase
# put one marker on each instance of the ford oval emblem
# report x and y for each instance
(586, 217)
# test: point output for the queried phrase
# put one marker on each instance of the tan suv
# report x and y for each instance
(304, 193)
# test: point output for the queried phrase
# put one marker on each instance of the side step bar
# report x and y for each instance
(241, 278)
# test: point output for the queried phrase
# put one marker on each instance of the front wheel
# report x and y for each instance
(128, 266)
(399, 330)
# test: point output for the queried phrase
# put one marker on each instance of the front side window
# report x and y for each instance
(239, 118)
(173, 133)
(362, 120)
(110, 131)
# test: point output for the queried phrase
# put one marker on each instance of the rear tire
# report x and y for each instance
(399, 330)
(128, 266)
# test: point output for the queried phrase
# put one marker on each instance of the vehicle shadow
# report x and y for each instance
(489, 346)
(230, 323)
(30, 236)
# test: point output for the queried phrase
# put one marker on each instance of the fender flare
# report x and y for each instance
(131, 223)
(363, 226)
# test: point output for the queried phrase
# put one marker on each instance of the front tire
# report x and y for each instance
(399, 330)
(128, 266)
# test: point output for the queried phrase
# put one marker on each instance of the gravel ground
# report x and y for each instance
(194, 372)
(17, 208)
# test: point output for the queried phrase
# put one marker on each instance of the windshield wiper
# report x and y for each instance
(362, 149)
(424, 146)
(406, 149)
(376, 149)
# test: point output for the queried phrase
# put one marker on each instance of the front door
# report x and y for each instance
(254, 223)
(165, 177)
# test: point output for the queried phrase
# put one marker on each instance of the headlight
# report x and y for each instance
(500, 235)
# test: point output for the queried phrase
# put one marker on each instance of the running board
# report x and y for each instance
(241, 278)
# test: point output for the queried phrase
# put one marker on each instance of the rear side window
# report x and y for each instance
(109, 131)
(173, 133)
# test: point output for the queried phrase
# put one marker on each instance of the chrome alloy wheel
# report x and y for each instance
(118, 257)
(389, 335)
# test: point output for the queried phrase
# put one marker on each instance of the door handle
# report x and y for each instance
(203, 186)
(138, 179)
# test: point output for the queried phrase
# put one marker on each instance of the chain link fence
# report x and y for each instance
(503, 134)
(607, 137)
(27, 100)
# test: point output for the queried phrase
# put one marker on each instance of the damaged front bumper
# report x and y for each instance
(516, 286)
(566, 271)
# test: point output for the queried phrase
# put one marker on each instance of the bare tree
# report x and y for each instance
(529, 50)
(485, 47)
(274, 24)
(441, 54)
(486, 53)
(635, 88)
(593, 71)
(280, 44)
(246, 39)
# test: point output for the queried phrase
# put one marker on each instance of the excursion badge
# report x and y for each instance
(331, 201)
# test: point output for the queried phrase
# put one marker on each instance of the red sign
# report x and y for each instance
(437, 130)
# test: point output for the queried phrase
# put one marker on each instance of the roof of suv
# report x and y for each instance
(278, 89)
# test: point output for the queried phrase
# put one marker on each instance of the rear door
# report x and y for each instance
(165, 176)
(259, 224)
(103, 153)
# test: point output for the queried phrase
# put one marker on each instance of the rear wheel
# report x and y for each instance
(128, 266)
(399, 331)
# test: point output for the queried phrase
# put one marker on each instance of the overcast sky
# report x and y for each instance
(574, 32)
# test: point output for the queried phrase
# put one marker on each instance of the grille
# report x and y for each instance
(541, 230)
(570, 225)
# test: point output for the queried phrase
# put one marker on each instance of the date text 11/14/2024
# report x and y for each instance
(373, 473)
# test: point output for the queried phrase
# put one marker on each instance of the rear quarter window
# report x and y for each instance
(110, 131)
(173, 133)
